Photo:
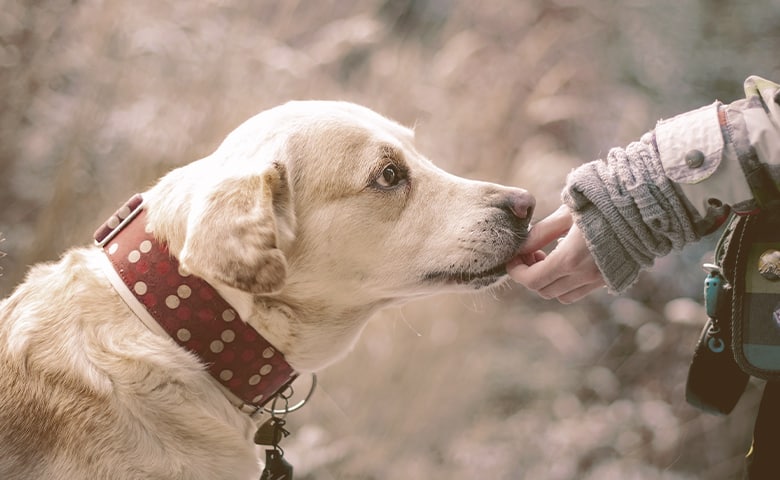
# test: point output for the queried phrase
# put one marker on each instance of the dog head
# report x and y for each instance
(384, 221)
(328, 206)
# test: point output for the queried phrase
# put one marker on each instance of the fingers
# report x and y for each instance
(544, 232)
(567, 273)
(526, 259)
(571, 288)
(564, 261)
(579, 293)
(534, 277)
(567, 288)
(548, 229)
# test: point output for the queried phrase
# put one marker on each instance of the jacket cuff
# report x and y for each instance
(619, 269)
(628, 211)
(691, 144)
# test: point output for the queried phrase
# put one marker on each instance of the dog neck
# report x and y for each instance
(190, 311)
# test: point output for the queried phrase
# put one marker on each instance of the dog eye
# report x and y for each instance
(390, 177)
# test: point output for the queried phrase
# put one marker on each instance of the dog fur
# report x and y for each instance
(307, 219)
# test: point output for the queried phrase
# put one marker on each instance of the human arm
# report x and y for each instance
(639, 203)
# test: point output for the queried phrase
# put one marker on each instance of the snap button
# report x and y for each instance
(769, 265)
(694, 158)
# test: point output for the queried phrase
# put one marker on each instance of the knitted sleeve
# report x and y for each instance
(629, 211)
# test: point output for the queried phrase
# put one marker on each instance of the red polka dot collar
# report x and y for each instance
(189, 310)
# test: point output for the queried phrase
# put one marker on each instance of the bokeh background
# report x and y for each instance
(99, 98)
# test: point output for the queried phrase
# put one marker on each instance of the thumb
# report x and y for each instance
(548, 229)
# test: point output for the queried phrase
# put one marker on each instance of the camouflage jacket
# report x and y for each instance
(700, 149)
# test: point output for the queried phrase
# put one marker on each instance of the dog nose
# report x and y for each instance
(521, 203)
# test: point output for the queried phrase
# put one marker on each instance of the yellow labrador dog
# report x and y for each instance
(306, 220)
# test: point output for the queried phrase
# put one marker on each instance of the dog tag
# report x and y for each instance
(271, 432)
(276, 467)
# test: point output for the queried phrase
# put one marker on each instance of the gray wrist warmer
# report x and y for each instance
(629, 211)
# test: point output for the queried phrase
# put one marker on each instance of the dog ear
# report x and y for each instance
(233, 232)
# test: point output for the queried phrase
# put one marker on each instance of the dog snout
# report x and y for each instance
(520, 203)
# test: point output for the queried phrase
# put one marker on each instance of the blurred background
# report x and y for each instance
(99, 98)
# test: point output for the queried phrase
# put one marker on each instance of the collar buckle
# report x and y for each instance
(119, 220)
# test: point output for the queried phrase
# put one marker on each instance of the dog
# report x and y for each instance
(307, 219)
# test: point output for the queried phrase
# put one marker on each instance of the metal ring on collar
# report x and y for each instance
(284, 411)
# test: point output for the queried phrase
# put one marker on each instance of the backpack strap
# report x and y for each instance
(762, 462)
